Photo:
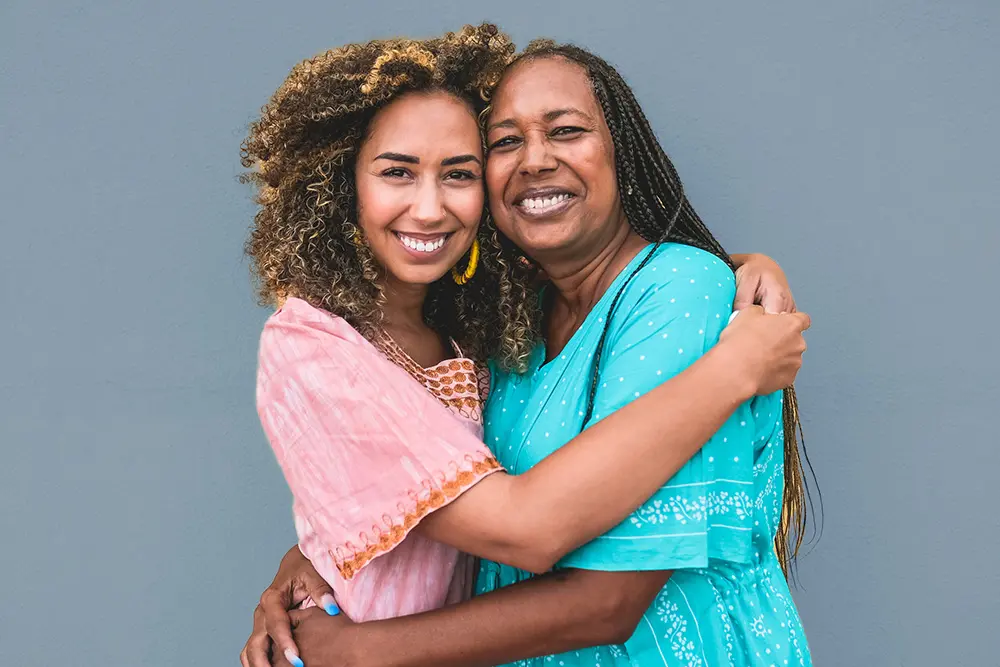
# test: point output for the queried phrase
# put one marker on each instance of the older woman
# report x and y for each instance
(577, 181)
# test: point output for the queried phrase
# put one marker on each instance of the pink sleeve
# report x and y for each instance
(365, 449)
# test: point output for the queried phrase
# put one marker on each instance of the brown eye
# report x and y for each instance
(504, 142)
(566, 131)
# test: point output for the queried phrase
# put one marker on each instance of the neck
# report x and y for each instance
(404, 304)
(582, 281)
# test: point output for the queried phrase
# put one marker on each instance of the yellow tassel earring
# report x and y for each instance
(470, 270)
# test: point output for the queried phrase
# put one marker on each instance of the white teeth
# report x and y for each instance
(420, 245)
(544, 202)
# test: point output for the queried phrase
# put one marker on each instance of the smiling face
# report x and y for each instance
(551, 165)
(419, 185)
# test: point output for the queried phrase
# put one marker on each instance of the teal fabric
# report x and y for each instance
(713, 523)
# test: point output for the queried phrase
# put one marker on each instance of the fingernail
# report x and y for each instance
(331, 609)
(329, 604)
(295, 660)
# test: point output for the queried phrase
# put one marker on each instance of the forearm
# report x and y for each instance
(591, 484)
(554, 613)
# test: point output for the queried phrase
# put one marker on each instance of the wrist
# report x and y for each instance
(737, 374)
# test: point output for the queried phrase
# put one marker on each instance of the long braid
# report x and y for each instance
(654, 203)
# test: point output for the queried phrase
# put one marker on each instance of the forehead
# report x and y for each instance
(425, 123)
(534, 87)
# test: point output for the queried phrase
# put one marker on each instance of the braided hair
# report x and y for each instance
(654, 203)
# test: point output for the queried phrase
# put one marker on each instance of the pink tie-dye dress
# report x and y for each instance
(369, 446)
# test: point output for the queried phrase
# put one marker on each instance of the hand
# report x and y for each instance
(321, 638)
(768, 348)
(759, 280)
(295, 582)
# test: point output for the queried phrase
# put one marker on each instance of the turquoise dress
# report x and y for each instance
(713, 523)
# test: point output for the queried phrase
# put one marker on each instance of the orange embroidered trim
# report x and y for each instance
(389, 539)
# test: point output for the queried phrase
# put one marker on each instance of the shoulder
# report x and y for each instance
(299, 333)
(680, 279)
(678, 266)
(300, 320)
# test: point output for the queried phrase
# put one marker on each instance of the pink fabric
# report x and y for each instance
(367, 452)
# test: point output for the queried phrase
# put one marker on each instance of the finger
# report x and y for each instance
(774, 301)
(291, 658)
(280, 661)
(258, 652)
(255, 652)
(279, 626)
(746, 293)
(321, 593)
(804, 321)
(747, 283)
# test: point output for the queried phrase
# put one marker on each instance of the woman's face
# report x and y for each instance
(419, 184)
(551, 162)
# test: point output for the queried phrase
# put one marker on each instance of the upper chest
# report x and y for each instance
(530, 416)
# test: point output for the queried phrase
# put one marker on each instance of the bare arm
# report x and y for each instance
(554, 613)
(759, 280)
(592, 483)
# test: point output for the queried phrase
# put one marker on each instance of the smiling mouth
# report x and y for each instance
(427, 246)
(543, 206)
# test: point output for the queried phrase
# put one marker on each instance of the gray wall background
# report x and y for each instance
(141, 511)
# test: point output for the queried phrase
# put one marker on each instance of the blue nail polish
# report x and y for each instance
(332, 609)
(293, 659)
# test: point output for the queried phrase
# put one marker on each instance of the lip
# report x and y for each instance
(549, 212)
(423, 255)
(548, 191)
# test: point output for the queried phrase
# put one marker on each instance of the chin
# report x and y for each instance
(542, 244)
(539, 237)
(424, 275)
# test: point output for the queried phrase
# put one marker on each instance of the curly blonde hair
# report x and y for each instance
(302, 154)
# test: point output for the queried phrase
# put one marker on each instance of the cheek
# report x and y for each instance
(598, 167)
(497, 175)
(467, 205)
(378, 205)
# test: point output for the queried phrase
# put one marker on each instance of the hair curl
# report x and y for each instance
(302, 153)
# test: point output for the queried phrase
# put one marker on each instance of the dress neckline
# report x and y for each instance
(398, 349)
(602, 304)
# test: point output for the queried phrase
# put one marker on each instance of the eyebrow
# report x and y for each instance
(399, 157)
(548, 117)
(413, 159)
(556, 113)
(460, 159)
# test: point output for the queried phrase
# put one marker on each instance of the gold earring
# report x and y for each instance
(358, 241)
(470, 270)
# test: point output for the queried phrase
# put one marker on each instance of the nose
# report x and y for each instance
(427, 207)
(537, 157)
